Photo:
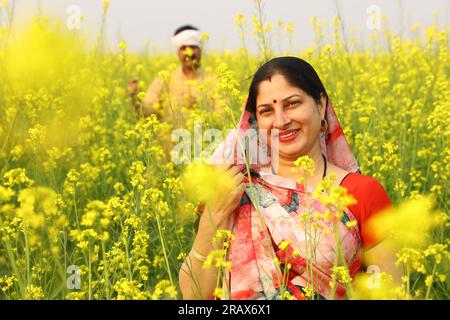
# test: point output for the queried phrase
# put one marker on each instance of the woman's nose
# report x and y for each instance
(281, 120)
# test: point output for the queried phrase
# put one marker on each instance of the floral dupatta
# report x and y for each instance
(268, 223)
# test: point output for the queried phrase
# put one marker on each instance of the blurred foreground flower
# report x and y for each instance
(205, 183)
(375, 286)
(407, 225)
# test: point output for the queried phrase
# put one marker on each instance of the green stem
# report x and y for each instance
(90, 273)
(408, 288)
(431, 283)
(27, 257)
(166, 259)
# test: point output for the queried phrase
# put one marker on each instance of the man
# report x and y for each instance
(169, 97)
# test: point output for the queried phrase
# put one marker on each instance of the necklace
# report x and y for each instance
(324, 166)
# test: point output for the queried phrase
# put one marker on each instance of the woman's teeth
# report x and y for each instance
(289, 134)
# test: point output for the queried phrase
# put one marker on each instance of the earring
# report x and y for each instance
(324, 125)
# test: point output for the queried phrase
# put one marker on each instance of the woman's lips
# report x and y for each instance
(288, 135)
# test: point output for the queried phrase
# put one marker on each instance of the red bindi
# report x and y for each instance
(274, 101)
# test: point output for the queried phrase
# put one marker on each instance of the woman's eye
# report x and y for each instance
(264, 111)
(294, 103)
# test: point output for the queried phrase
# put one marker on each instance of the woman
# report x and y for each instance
(288, 99)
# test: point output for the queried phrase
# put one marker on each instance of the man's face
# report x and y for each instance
(190, 56)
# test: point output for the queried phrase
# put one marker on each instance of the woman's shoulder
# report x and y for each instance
(367, 191)
(353, 180)
(371, 199)
(361, 183)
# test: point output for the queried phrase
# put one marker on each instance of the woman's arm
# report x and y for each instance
(195, 281)
(383, 256)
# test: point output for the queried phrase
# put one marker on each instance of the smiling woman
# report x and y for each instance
(274, 252)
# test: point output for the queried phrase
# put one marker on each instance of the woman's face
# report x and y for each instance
(297, 116)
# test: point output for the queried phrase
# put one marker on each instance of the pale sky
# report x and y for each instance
(153, 21)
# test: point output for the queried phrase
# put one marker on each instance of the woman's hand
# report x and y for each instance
(220, 211)
(217, 215)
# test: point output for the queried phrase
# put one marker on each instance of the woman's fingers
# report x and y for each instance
(222, 167)
(236, 175)
(233, 170)
(242, 188)
(238, 179)
(238, 193)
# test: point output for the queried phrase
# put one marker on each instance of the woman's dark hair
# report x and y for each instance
(297, 72)
(183, 28)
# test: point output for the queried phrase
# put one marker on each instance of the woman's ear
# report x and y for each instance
(323, 104)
